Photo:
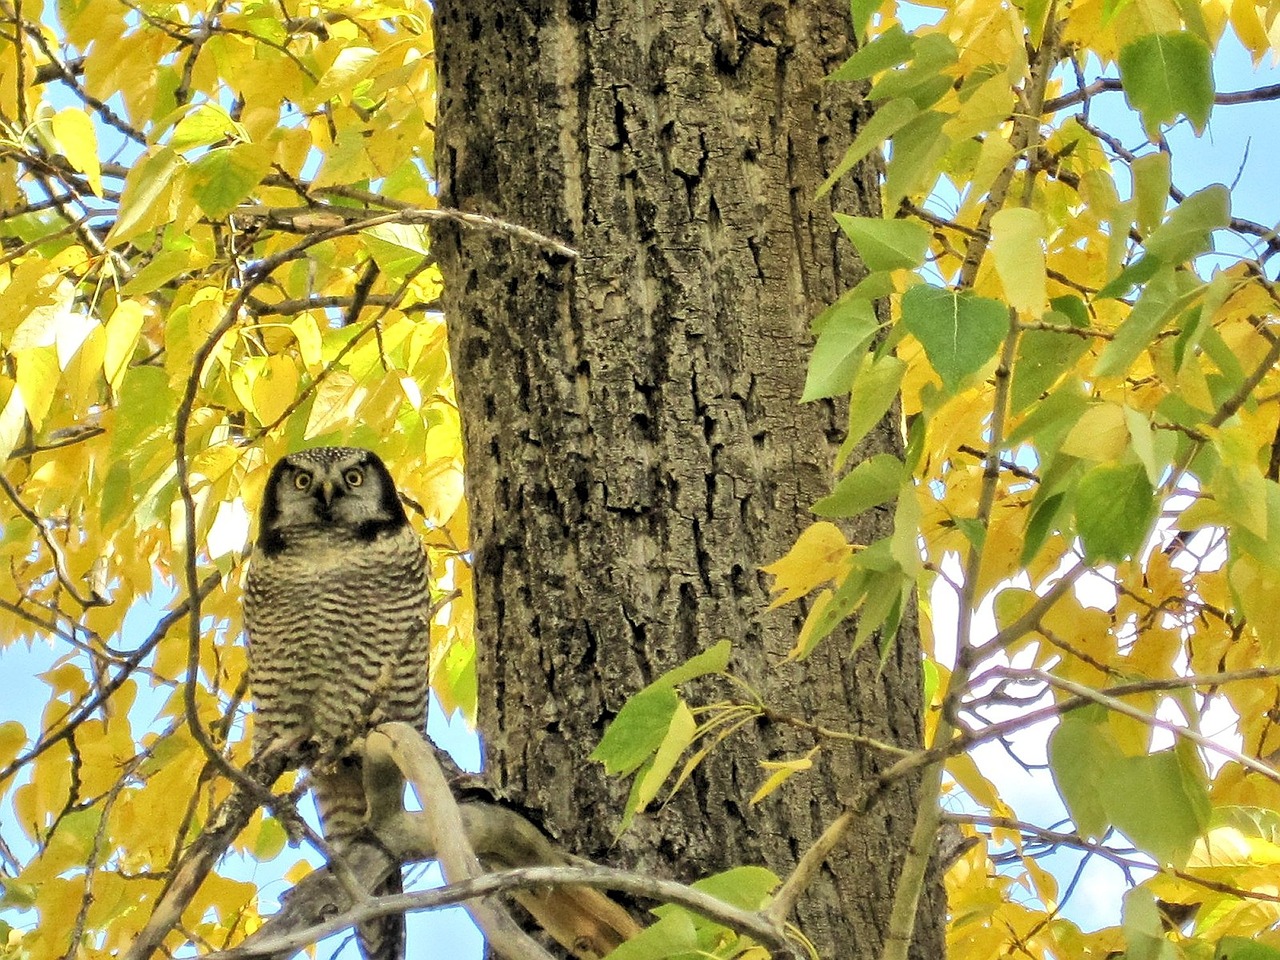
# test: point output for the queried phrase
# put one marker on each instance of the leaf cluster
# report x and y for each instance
(213, 251)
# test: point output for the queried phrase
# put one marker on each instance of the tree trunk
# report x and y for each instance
(635, 449)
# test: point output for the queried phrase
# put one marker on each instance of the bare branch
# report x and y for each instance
(524, 878)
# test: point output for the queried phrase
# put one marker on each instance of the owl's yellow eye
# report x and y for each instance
(302, 480)
(354, 477)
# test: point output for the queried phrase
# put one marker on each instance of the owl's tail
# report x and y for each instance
(341, 803)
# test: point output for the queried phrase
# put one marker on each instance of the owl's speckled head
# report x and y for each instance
(347, 488)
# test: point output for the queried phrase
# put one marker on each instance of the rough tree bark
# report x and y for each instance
(635, 449)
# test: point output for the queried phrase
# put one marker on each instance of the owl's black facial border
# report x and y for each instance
(270, 539)
(391, 507)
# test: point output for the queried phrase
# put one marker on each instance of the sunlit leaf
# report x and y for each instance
(780, 772)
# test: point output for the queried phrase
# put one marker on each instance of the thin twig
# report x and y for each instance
(55, 549)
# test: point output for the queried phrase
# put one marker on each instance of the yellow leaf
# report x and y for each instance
(783, 771)
(1249, 28)
(818, 556)
(275, 389)
(299, 870)
(336, 400)
(1258, 587)
(1043, 883)
(1017, 245)
(965, 772)
(13, 417)
(123, 328)
(13, 737)
(993, 156)
(987, 107)
(310, 347)
(38, 380)
(350, 67)
(146, 200)
(679, 736)
(1100, 435)
(74, 132)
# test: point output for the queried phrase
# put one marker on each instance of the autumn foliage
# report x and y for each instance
(215, 251)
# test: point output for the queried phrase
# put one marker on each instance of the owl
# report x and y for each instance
(337, 609)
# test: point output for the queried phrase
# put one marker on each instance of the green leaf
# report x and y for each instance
(1188, 230)
(1240, 490)
(672, 936)
(1082, 753)
(1143, 929)
(714, 659)
(872, 482)
(916, 149)
(1139, 328)
(836, 605)
(147, 405)
(891, 48)
(1034, 13)
(675, 741)
(882, 608)
(1115, 507)
(1160, 803)
(1045, 519)
(398, 248)
(1244, 948)
(886, 244)
(888, 119)
(271, 840)
(638, 730)
(1151, 189)
(860, 12)
(846, 334)
(925, 80)
(747, 888)
(1143, 443)
(223, 177)
(166, 265)
(1073, 308)
(1140, 271)
(875, 387)
(144, 202)
(1165, 75)
(1050, 420)
(203, 126)
(960, 331)
(1043, 357)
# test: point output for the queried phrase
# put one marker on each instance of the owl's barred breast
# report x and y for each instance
(338, 636)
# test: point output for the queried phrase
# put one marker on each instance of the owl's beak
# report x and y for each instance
(327, 490)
